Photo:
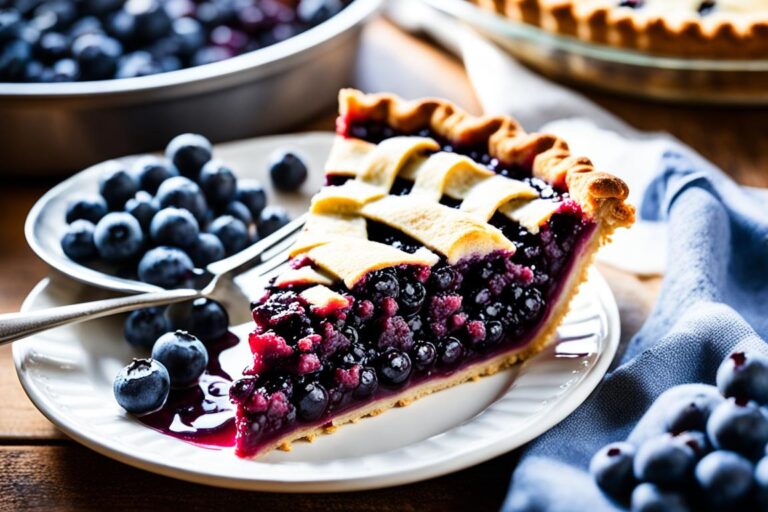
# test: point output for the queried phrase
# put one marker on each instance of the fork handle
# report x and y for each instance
(14, 326)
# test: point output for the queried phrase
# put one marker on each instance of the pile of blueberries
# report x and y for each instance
(78, 40)
(699, 447)
(164, 217)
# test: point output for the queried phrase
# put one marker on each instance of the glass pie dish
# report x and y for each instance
(619, 70)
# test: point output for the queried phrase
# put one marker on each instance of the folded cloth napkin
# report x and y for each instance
(713, 300)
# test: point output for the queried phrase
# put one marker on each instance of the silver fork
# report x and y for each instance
(215, 282)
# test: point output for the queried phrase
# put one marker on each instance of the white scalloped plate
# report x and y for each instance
(67, 373)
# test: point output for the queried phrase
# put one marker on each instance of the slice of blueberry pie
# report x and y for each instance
(443, 248)
(729, 29)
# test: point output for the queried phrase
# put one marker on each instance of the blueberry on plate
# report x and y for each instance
(744, 375)
(271, 219)
(116, 186)
(183, 355)
(188, 152)
(150, 171)
(167, 267)
(91, 208)
(208, 319)
(142, 386)
(96, 55)
(394, 367)
(725, 477)
(663, 461)
(144, 207)
(252, 195)
(287, 171)
(232, 233)
(611, 467)
(118, 237)
(175, 227)
(184, 193)
(648, 497)
(239, 211)
(144, 326)
(692, 411)
(206, 249)
(738, 426)
(761, 483)
(312, 401)
(77, 242)
(218, 182)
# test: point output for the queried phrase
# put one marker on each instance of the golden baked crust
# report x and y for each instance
(725, 35)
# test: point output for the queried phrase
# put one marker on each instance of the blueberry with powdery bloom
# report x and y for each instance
(167, 267)
(116, 185)
(151, 171)
(611, 467)
(90, 208)
(183, 355)
(744, 375)
(77, 243)
(142, 386)
(188, 153)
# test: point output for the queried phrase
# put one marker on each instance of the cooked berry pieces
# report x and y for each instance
(183, 355)
(369, 382)
(312, 401)
(424, 354)
(142, 386)
(394, 367)
(287, 171)
(450, 352)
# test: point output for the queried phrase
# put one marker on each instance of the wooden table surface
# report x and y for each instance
(40, 468)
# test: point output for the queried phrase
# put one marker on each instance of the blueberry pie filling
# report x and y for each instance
(443, 248)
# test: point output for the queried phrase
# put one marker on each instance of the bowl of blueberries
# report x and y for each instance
(91, 79)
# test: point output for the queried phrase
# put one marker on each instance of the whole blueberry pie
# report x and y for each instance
(444, 247)
(730, 29)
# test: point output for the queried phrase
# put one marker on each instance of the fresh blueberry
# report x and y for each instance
(450, 351)
(175, 227)
(208, 319)
(100, 7)
(394, 367)
(368, 383)
(312, 401)
(411, 298)
(314, 12)
(77, 242)
(150, 172)
(611, 467)
(34, 71)
(252, 195)
(85, 25)
(10, 23)
(218, 182)
(142, 386)
(188, 153)
(271, 219)
(190, 35)
(424, 354)
(210, 54)
(206, 249)
(91, 208)
(761, 483)
(136, 64)
(96, 55)
(151, 21)
(143, 207)
(744, 375)
(741, 427)
(144, 326)
(692, 412)
(725, 477)
(287, 171)
(239, 211)
(51, 47)
(663, 461)
(118, 237)
(62, 12)
(232, 233)
(648, 497)
(183, 193)
(183, 355)
(14, 57)
(64, 70)
(116, 186)
(696, 441)
(167, 267)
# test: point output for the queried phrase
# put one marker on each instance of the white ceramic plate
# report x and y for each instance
(68, 372)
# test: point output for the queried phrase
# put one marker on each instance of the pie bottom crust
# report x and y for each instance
(577, 275)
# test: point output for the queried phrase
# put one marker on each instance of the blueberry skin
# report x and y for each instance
(206, 249)
(183, 193)
(190, 35)
(761, 483)
(218, 183)
(369, 381)
(239, 211)
(51, 47)
(143, 207)
(696, 441)
(394, 367)
(648, 497)
(725, 477)
(77, 242)
(144, 326)
(232, 233)
(692, 412)
(742, 428)
(142, 386)
(167, 267)
(287, 171)
(175, 227)
(118, 237)
(151, 171)
(91, 208)
(208, 319)
(611, 467)
(116, 186)
(136, 64)
(183, 355)
(188, 152)
(313, 401)
(271, 219)
(151, 21)
(744, 375)
(252, 195)
(314, 12)
(663, 461)
(14, 57)
(97, 56)
(10, 24)
(64, 70)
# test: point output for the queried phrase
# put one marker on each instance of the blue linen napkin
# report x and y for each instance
(714, 298)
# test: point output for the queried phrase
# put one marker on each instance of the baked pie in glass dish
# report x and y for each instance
(704, 29)
(444, 247)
